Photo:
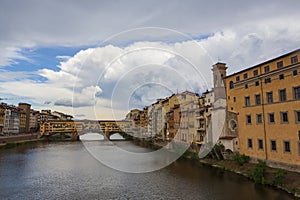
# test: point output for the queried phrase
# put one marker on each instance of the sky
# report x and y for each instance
(99, 59)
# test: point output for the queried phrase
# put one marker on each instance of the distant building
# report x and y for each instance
(2, 117)
(12, 120)
(24, 117)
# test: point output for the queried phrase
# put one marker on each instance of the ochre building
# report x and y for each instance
(266, 98)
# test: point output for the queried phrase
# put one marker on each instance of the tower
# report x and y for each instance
(219, 73)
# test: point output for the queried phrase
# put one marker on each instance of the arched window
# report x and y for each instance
(231, 84)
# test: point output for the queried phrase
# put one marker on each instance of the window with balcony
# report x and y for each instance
(282, 95)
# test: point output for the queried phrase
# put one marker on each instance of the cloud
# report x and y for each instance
(134, 68)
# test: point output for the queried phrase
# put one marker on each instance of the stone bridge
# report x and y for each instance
(77, 128)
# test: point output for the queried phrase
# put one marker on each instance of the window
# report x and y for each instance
(295, 72)
(234, 99)
(250, 145)
(284, 117)
(271, 118)
(287, 146)
(255, 72)
(231, 85)
(279, 64)
(294, 59)
(245, 76)
(270, 97)
(257, 99)
(228, 97)
(299, 148)
(298, 135)
(259, 118)
(260, 144)
(246, 86)
(273, 145)
(297, 116)
(281, 76)
(237, 78)
(267, 69)
(267, 80)
(247, 101)
(297, 92)
(282, 95)
(248, 119)
(256, 83)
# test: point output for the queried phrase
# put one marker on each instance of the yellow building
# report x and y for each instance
(266, 98)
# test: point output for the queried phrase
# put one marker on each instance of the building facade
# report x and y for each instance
(266, 99)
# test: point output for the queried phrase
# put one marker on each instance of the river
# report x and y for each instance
(66, 170)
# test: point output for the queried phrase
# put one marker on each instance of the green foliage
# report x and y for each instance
(258, 173)
(279, 176)
(241, 159)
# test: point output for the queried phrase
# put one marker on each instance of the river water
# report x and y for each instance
(66, 170)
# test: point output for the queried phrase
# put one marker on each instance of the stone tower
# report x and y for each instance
(219, 73)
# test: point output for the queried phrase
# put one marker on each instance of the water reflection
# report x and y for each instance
(66, 170)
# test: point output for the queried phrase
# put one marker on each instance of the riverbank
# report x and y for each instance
(13, 144)
(287, 181)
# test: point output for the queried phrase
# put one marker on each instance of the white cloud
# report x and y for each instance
(240, 33)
